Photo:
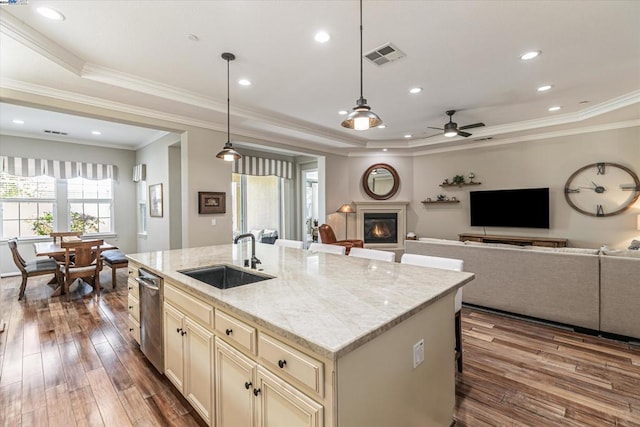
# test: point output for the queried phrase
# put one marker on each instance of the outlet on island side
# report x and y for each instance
(213, 222)
(418, 353)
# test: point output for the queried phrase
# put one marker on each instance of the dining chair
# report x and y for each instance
(38, 267)
(65, 236)
(445, 264)
(86, 263)
(330, 249)
(373, 254)
(297, 244)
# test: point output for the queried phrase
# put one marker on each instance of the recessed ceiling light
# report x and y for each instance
(244, 82)
(530, 55)
(554, 108)
(544, 88)
(415, 90)
(382, 126)
(322, 37)
(408, 135)
(384, 149)
(18, 121)
(343, 112)
(96, 132)
(50, 13)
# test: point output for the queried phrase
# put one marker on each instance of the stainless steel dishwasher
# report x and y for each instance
(151, 340)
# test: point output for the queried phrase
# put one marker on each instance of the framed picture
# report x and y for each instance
(209, 202)
(155, 200)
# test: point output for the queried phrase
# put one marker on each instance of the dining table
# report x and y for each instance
(57, 252)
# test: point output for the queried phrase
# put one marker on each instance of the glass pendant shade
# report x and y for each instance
(361, 118)
(450, 129)
(228, 154)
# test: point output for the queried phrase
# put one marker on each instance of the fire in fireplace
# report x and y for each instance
(380, 227)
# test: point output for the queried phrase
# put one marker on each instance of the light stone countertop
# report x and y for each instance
(330, 304)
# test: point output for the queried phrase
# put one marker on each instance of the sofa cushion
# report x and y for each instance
(492, 245)
(586, 251)
(622, 253)
(114, 256)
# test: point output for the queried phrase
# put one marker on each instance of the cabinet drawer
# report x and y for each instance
(199, 310)
(236, 330)
(133, 305)
(287, 360)
(132, 285)
(134, 328)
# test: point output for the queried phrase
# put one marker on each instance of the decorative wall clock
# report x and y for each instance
(602, 189)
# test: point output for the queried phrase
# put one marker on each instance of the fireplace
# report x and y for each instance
(381, 227)
(381, 224)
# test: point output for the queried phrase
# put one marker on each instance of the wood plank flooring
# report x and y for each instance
(66, 363)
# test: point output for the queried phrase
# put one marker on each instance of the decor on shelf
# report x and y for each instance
(471, 176)
(441, 197)
(429, 201)
(228, 154)
(380, 181)
(361, 118)
(155, 200)
(346, 209)
(211, 202)
(599, 189)
(458, 179)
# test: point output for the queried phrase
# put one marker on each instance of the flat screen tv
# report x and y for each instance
(526, 208)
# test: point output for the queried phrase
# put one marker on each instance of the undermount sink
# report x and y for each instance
(224, 276)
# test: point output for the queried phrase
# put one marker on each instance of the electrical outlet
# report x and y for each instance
(418, 353)
(213, 222)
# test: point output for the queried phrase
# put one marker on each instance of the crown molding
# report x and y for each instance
(28, 36)
(531, 138)
(171, 119)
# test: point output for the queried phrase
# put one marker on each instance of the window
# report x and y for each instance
(28, 205)
(142, 207)
(90, 205)
(36, 206)
(257, 203)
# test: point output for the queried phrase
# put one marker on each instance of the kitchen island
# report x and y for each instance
(329, 341)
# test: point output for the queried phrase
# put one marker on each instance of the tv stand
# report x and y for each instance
(548, 242)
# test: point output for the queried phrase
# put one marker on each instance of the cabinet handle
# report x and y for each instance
(282, 363)
(229, 331)
(130, 288)
(130, 329)
(247, 385)
(256, 391)
(178, 330)
(183, 333)
(130, 307)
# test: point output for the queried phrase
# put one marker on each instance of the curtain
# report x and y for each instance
(140, 173)
(259, 166)
(60, 169)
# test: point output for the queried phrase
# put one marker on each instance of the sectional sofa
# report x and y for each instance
(574, 286)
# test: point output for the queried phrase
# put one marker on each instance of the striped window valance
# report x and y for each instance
(259, 166)
(140, 173)
(61, 169)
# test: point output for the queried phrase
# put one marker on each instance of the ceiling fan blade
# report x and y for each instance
(475, 125)
(465, 134)
(431, 127)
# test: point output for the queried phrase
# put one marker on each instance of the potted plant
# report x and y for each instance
(458, 179)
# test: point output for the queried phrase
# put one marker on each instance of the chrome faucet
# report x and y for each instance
(254, 261)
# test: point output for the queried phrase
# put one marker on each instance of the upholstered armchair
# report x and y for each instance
(328, 236)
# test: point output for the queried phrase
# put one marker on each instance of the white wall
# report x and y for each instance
(124, 189)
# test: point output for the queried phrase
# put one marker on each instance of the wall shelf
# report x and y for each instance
(460, 185)
(434, 202)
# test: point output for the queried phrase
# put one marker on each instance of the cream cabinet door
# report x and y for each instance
(235, 383)
(281, 405)
(198, 368)
(173, 348)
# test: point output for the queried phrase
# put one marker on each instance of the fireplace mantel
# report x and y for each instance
(394, 206)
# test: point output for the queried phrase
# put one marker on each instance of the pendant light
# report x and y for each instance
(362, 118)
(228, 154)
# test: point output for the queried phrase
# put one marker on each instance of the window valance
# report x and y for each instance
(61, 169)
(259, 166)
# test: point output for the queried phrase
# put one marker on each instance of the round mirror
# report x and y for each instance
(380, 181)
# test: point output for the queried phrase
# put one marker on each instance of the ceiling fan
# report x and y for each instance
(451, 129)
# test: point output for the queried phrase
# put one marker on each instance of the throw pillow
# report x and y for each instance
(635, 245)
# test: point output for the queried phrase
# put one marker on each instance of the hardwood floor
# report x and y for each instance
(73, 363)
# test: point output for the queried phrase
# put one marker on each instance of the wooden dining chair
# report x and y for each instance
(65, 236)
(38, 267)
(85, 264)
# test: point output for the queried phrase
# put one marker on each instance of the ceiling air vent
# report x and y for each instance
(383, 54)
(488, 138)
(54, 132)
